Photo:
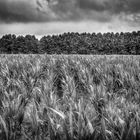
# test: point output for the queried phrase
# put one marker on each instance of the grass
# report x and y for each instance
(69, 97)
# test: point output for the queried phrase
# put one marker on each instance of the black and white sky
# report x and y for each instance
(43, 17)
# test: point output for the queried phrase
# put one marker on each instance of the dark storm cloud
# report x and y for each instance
(125, 6)
(21, 11)
(99, 10)
(65, 10)
(79, 10)
(115, 6)
(133, 6)
(92, 5)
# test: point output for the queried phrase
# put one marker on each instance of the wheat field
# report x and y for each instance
(69, 97)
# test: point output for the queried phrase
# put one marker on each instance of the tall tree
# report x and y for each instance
(7, 44)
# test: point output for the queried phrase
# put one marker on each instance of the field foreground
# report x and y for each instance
(69, 97)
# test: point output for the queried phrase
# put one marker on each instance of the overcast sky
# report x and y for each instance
(43, 17)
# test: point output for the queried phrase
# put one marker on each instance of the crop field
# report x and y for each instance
(69, 97)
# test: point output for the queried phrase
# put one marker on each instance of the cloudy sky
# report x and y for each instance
(43, 17)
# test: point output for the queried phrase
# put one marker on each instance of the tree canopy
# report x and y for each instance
(73, 43)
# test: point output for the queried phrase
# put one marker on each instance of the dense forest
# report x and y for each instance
(73, 43)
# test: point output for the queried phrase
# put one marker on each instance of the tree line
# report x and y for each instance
(73, 43)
